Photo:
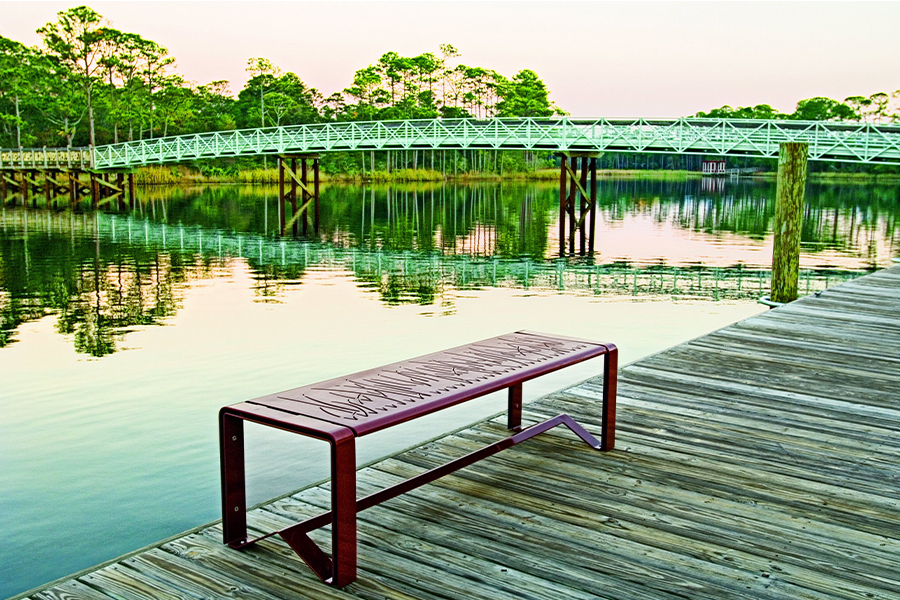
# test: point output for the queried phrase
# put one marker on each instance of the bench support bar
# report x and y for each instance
(296, 535)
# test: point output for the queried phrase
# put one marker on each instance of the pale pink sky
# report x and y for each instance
(599, 59)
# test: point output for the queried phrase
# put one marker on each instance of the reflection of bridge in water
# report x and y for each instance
(406, 277)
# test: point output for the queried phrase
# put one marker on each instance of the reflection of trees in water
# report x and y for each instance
(514, 218)
(53, 264)
(113, 298)
(851, 218)
(98, 291)
(476, 220)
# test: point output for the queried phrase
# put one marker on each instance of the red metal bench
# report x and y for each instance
(340, 410)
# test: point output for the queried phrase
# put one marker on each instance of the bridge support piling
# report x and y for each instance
(789, 200)
(95, 191)
(576, 205)
(47, 183)
(309, 194)
(120, 183)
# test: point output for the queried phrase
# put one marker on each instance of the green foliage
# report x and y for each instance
(525, 96)
(823, 109)
(760, 111)
(877, 108)
(90, 83)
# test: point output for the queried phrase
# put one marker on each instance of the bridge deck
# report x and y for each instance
(758, 461)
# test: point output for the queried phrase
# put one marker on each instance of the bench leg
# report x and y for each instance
(340, 569)
(514, 416)
(608, 410)
(343, 508)
(234, 497)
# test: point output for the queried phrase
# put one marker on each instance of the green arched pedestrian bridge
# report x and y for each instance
(830, 141)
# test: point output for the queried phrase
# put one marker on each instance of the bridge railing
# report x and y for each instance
(46, 158)
(846, 142)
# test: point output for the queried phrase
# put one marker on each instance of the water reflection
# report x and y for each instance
(105, 274)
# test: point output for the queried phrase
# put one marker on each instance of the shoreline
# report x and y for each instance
(154, 176)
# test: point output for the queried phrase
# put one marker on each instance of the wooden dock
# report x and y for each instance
(759, 461)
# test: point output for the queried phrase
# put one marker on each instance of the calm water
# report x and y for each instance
(121, 334)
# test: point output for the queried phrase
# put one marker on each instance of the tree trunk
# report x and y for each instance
(791, 190)
(90, 103)
(18, 124)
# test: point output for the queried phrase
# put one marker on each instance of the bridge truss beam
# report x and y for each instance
(842, 142)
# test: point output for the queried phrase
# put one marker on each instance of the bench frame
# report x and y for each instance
(341, 569)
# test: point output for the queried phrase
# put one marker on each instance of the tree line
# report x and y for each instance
(89, 83)
(880, 107)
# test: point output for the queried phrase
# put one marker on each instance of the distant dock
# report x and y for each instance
(759, 461)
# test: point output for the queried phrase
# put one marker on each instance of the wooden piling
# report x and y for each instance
(73, 188)
(563, 199)
(294, 182)
(789, 199)
(95, 191)
(304, 181)
(281, 203)
(584, 206)
(573, 198)
(316, 193)
(47, 197)
(593, 206)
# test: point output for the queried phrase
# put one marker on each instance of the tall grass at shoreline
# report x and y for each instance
(181, 175)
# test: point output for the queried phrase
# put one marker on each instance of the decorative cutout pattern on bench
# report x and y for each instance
(420, 385)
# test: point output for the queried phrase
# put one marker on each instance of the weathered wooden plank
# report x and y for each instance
(620, 509)
(751, 379)
(510, 546)
(808, 439)
(624, 525)
(533, 527)
(873, 427)
(752, 474)
(409, 556)
(669, 473)
(71, 590)
(627, 477)
(191, 578)
(277, 579)
(123, 583)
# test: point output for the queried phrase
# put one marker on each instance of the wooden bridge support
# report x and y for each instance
(577, 205)
(309, 195)
(51, 184)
